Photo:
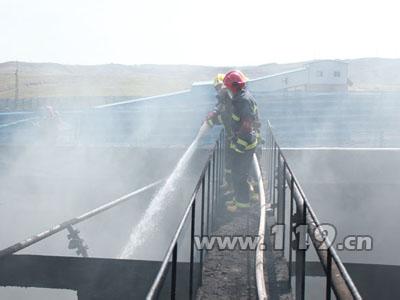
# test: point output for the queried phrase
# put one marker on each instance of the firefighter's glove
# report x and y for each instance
(210, 118)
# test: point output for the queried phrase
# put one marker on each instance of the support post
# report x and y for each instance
(173, 272)
(203, 183)
(208, 197)
(291, 230)
(328, 275)
(300, 251)
(192, 248)
(281, 190)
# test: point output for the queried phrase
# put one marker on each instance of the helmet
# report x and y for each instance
(219, 79)
(235, 81)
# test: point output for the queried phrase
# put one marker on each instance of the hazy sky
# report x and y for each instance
(217, 32)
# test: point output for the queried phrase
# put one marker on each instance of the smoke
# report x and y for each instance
(337, 145)
(52, 169)
(151, 220)
(344, 150)
(51, 174)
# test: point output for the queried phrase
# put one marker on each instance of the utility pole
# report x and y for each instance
(16, 96)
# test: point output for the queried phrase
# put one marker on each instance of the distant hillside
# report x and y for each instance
(375, 74)
(38, 79)
(54, 80)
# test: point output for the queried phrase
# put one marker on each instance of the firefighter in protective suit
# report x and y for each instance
(245, 137)
(222, 115)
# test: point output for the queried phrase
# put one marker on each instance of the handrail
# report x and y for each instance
(142, 99)
(60, 227)
(281, 175)
(212, 174)
(315, 224)
(18, 122)
(260, 280)
(157, 282)
(299, 196)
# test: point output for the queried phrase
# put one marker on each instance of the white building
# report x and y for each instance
(327, 75)
(316, 76)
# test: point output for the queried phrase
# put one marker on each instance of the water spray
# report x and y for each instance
(150, 221)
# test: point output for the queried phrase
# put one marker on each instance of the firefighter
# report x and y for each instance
(49, 125)
(245, 137)
(222, 115)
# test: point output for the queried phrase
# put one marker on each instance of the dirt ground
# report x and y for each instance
(229, 274)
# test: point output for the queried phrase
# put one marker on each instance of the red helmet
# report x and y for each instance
(235, 81)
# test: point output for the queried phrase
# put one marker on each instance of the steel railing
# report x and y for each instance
(207, 191)
(280, 177)
(67, 225)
